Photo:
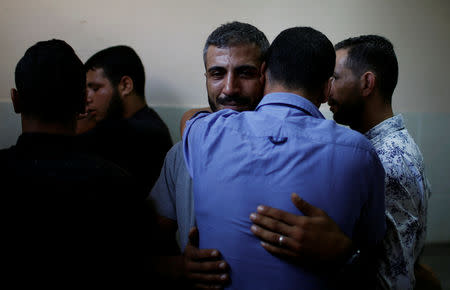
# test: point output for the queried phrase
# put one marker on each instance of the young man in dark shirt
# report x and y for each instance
(125, 129)
(70, 218)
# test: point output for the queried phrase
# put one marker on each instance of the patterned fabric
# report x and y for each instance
(407, 192)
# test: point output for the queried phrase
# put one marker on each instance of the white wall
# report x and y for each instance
(169, 36)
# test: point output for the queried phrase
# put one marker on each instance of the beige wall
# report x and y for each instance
(169, 36)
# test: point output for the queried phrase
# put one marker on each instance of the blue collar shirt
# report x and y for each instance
(239, 160)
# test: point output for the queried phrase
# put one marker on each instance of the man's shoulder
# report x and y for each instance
(175, 156)
(212, 117)
(176, 151)
(398, 145)
(149, 117)
(342, 136)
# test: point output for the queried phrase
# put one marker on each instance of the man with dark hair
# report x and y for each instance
(364, 80)
(127, 132)
(71, 218)
(284, 146)
(233, 56)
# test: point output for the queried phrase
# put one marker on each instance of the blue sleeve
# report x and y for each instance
(192, 140)
(372, 225)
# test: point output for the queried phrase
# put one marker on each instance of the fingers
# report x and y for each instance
(208, 267)
(277, 214)
(306, 208)
(205, 269)
(194, 253)
(275, 250)
(273, 239)
(194, 237)
(209, 281)
(270, 223)
(81, 116)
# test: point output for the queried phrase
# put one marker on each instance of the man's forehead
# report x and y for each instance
(95, 74)
(341, 57)
(235, 55)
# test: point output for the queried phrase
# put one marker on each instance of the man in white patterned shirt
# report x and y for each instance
(365, 77)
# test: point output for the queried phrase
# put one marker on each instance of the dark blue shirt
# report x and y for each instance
(241, 160)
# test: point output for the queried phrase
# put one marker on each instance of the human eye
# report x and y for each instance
(216, 73)
(248, 72)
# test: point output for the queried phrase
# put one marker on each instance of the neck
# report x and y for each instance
(278, 88)
(373, 114)
(32, 125)
(132, 105)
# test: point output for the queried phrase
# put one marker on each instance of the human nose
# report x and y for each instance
(231, 86)
(89, 96)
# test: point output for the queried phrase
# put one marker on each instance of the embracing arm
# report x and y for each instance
(312, 238)
(188, 114)
(195, 268)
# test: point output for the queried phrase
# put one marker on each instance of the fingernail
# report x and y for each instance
(223, 277)
(254, 228)
(214, 253)
(264, 244)
(252, 216)
(260, 208)
(222, 265)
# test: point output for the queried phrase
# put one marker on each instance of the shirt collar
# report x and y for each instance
(385, 128)
(291, 100)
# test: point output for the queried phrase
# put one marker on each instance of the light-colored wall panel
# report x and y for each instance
(169, 36)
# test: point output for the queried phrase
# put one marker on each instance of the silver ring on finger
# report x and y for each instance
(280, 240)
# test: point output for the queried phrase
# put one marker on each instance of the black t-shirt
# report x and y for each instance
(138, 144)
(70, 217)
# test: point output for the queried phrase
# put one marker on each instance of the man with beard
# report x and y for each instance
(239, 159)
(233, 55)
(365, 77)
(127, 130)
(69, 218)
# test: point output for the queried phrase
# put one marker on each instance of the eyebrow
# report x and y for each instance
(217, 67)
(245, 66)
(91, 84)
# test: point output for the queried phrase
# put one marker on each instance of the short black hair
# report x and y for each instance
(301, 58)
(237, 33)
(373, 53)
(51, 82)
(117, 62)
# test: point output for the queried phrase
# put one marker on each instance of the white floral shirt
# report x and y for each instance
(407, 192)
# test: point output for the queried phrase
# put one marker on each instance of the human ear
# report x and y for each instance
(327, 90)
(368, 81)
(15, 98)
(126, 86)
(262, 78)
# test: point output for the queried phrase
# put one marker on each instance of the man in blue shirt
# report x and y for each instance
(239, 160)
(233, 55)
(364, 80)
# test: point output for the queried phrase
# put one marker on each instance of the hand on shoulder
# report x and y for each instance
(188, 114)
